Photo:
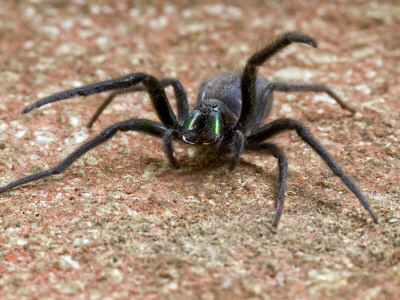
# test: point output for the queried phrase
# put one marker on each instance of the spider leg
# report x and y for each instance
(167, 137)
(249, 74)
(150, 127)
(237, 146)
(180, 94)
(153, 87)
(264, 104)
(283, 167)
(309, 87)
(280, 125)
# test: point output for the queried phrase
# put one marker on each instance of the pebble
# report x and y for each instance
(44, 137)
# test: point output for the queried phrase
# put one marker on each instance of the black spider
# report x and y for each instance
(229, 115)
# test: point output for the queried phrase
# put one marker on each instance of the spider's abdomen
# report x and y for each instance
(226, 88)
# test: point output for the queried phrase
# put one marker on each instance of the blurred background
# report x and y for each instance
(121, 223)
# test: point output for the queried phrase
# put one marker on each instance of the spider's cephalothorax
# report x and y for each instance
(207, 122)
(231, 109)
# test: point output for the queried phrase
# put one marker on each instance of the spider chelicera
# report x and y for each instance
(229, 116)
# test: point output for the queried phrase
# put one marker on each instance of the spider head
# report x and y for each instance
(206, 123)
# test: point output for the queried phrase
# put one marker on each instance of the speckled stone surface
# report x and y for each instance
(122, 223)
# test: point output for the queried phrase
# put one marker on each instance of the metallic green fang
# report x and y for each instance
(216, 121)
(192, 120)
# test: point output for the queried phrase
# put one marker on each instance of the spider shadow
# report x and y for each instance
(209, 173)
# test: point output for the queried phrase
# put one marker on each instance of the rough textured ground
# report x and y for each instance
(121, 222)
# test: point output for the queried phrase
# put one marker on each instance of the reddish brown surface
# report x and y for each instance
(122, 222)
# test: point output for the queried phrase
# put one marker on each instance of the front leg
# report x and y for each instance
(180, 94)
(283, 169)
(150, 127)
(169, 150)
(249, 75)
(238, 142)
(280, 125)
(152, 85)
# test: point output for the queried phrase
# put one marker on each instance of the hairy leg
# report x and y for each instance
(264, 103)
(237, 146)
(152, 85)
(180, 94)
(309, 87)
(169, 150)
(283, 168)
(150, 127)
(249, 74)
(280, 125)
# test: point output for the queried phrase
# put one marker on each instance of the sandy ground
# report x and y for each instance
(122, 223)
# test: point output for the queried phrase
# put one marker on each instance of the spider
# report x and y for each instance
(229, 116)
